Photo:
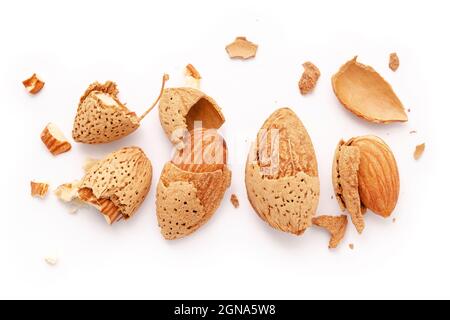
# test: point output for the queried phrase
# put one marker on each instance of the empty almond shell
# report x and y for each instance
(281, 174)
(189, 192)
(362, 91)
(180, 108)
(118, 184)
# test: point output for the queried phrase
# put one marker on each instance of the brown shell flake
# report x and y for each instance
(309, 78)
(394, 62)
(336, 226)
(118, 184)
(180, 108)
(282, 177)
(234, 201)
(241, 48)
(33, 84)
(39, 189)
(362, 91)
(419, 151)
(54, 140)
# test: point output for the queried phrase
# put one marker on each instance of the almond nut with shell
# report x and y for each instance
(281, 174)
(180, 108)
(116, 185)
(365, 175)
(102, 118)
(192, 184)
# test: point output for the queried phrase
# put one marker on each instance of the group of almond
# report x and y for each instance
(281, 173)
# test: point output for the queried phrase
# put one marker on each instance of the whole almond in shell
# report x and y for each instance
(281, 174)
(366, 178)
(118, 184)
(180, 108)
(190, 190)
(102, 118)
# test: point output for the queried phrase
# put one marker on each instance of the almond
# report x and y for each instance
(192, 185)
(39, 189)
(181, 108)
(336, 226)
(54, 140)
(365, 175)
(33, 84)
(362, 91)
(102, 118)
(281, 174)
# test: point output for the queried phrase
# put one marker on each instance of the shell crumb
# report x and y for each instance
(351, 246)
(309, 78)
(234, 201)
(51, 261)
(394, 61)
(419, 151)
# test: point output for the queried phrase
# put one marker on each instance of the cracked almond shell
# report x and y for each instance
(366, 178)
(284, 194)
(101, 117)
(179, 108)
(189, 192)
(118, 184)
(363, 91)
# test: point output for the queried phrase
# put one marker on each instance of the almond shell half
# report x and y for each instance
(363, 91)
(179, 108)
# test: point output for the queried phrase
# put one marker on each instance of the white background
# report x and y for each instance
(235, 255)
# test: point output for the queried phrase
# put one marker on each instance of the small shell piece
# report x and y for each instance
(309, 78)
(234, 201)
(192, 77)
(281, 174)
(241, 48)
(190, 191)
(180, 108)
(118, 184)
(336, 226)
(33, 84)
(101, 117)
(365, 93)
(394, 62)
(419, 151)
(39, 189)
(54, 140)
